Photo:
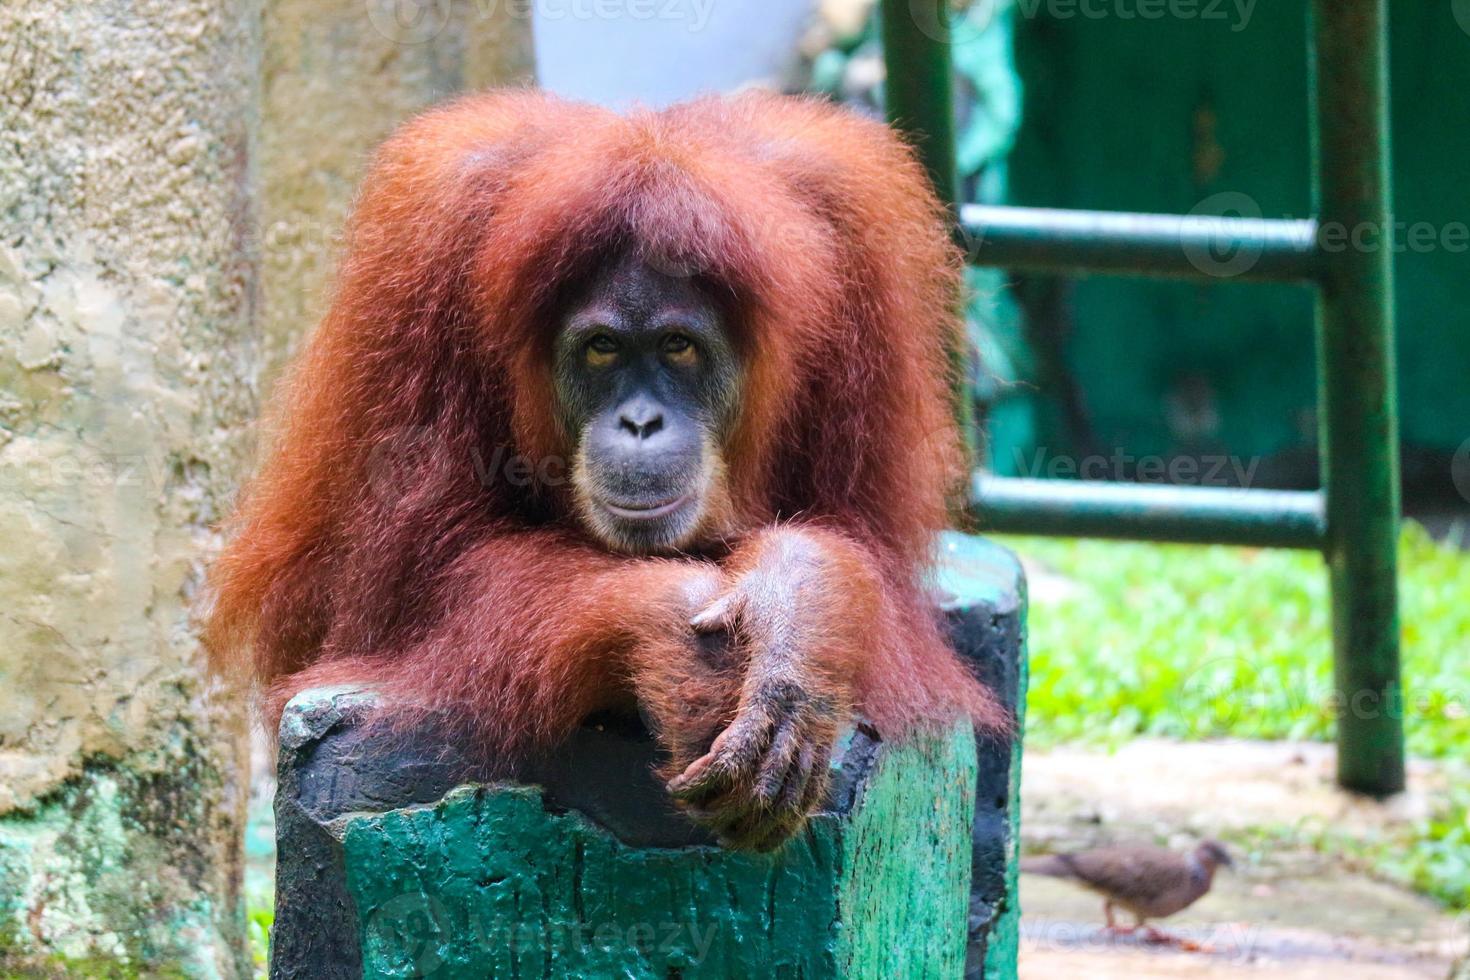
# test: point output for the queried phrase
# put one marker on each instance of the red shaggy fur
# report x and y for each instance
(369, 549)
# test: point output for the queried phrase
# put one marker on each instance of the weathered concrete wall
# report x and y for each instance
(339, 76)
(127, 362)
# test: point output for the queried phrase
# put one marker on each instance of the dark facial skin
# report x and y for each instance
(647, 381)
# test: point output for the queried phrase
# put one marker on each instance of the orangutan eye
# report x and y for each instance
(680, 350)
(601, 350)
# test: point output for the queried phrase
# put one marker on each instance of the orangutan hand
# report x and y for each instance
(796, 610)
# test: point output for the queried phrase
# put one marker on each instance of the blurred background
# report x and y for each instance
(174, 175)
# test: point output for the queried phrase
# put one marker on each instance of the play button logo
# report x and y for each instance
(1460, 470)
(1461, 10)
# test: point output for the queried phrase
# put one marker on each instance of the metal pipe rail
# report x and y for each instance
(1204, 247)
(1145, 512)
(1354, 519)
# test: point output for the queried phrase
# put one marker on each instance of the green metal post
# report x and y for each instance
(919, 89)
(1351, 263)
(919, 96)
(1356, 387)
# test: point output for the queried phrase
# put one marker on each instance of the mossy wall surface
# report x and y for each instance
(127, 364)
(154, 155)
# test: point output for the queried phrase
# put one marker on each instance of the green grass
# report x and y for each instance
(260, 915)
(1204, 642)
(260, 880)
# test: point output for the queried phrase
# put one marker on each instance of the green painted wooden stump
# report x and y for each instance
(389, 868)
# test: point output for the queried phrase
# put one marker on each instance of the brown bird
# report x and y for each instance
(1149, 882)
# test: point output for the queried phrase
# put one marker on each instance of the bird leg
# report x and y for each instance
(1112, 927)
(1161, 938)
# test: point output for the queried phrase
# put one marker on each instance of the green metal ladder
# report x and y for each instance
(1353, 520)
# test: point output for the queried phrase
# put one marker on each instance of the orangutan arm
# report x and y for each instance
(537, 630)
(808, 608)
